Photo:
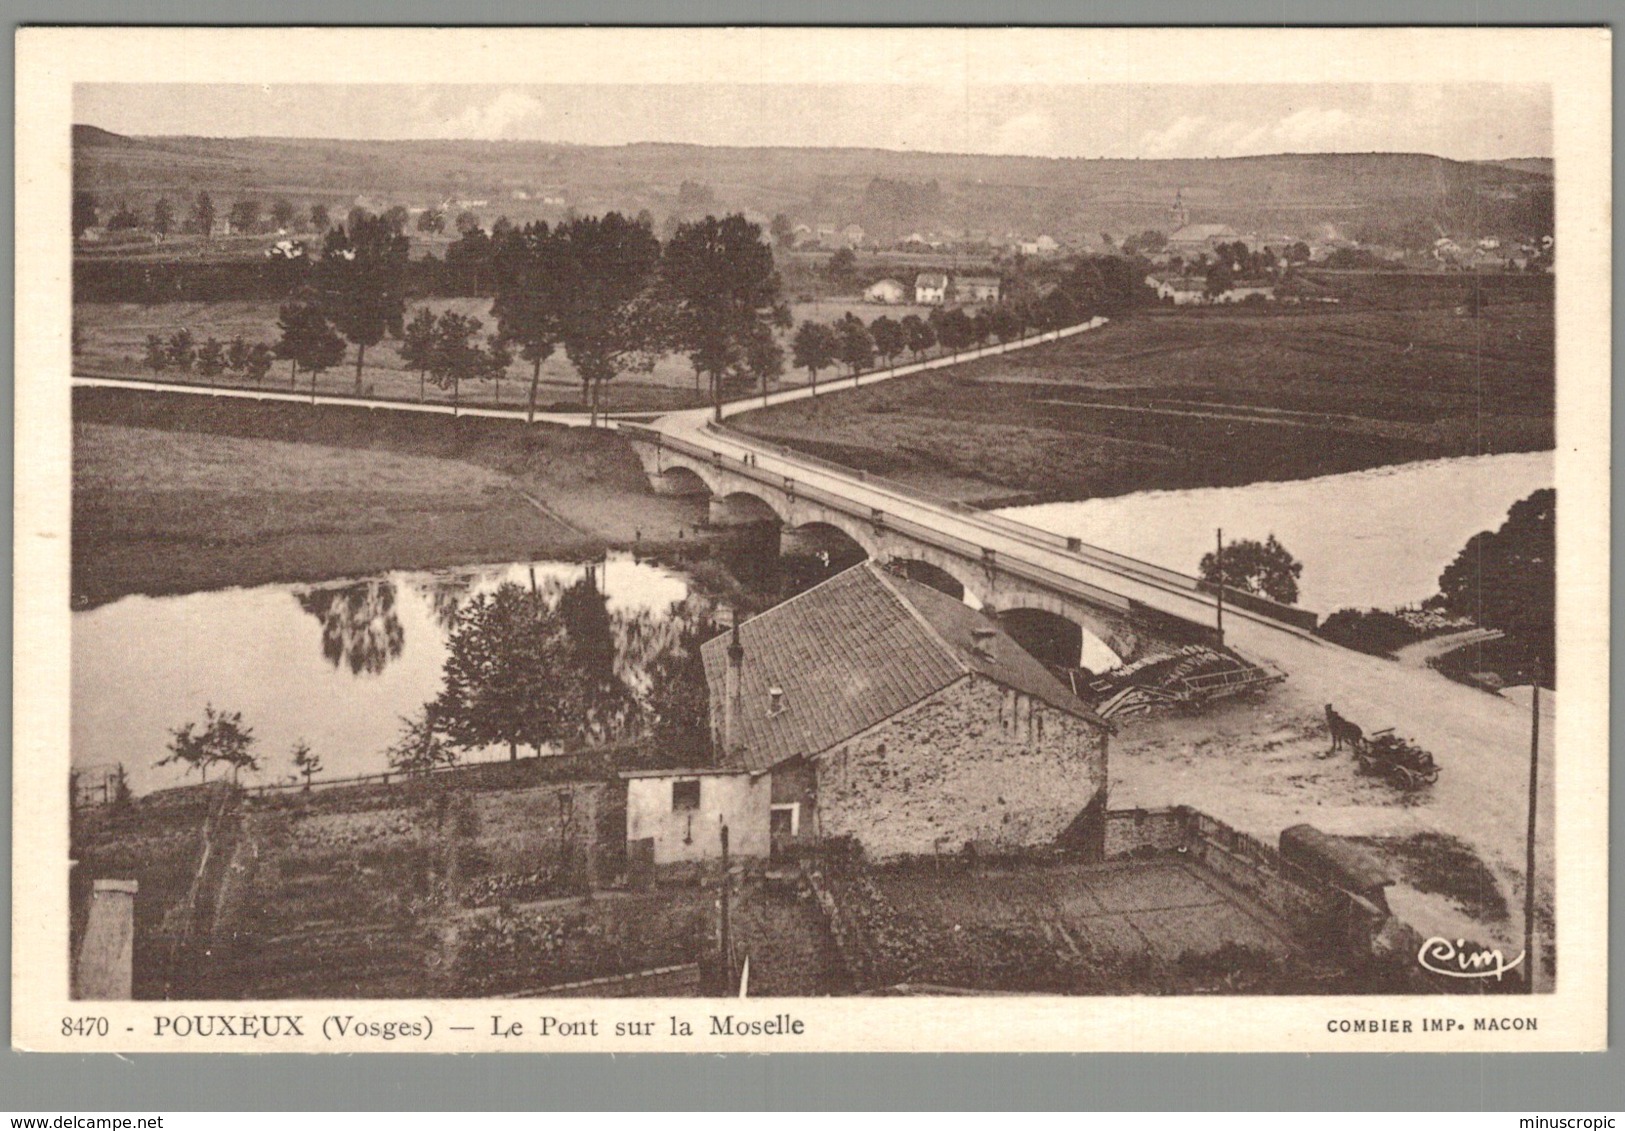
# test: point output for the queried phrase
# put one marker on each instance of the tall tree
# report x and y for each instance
(203, 214)
(763, 357)
(608, 320)
(320, 220)
(362, 277)
(282, 213)
(857, 347)
(816, 346)
(457, 355)
(505, 676)
(163, 216)
(432, 221)
(417, 347)
(531, 280)
(720, 278)
(245, 215)
(307, 341)
(1507, 578)
(679, 706)
(919, 334)
(888, 337)
(1265, 568)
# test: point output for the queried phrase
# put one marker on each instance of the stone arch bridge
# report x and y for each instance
(742, 492)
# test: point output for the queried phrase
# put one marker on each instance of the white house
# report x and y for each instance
(931, 288)
(976, 288)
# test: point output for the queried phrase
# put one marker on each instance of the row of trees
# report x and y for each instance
(847, 341)
(607, 293)
(601, 289)
(209, 358)
(247, 215)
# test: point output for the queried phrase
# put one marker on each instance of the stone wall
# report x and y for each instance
(1131, 831)
(975, 762)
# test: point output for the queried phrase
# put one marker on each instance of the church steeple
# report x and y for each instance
(1178, 217)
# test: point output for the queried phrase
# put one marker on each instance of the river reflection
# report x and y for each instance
(336, 665)
(360, 628)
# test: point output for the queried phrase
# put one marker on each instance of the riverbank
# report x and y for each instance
(1176, 399)
(174, 493)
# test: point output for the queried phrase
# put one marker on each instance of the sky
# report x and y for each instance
(1463, 121)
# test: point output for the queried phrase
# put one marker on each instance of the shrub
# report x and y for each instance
(1372, 631)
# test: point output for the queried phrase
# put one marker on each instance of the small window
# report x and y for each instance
(685, 795)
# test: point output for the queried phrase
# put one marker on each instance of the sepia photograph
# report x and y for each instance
(934, 543)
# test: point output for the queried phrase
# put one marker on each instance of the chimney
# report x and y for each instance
(775, 701)
(731, 691)
(982, 642)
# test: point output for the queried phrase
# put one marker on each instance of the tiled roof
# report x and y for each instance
(853, 652)
(930, 279)
(1192, 233)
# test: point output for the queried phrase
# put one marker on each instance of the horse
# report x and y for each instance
(1344, 733)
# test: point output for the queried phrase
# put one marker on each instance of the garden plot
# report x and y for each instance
(1063, 927)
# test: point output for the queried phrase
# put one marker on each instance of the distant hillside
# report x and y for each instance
(1380, 197)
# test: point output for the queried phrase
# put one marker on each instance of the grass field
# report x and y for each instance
(174, 493)
(1213, 397)
(113, 340)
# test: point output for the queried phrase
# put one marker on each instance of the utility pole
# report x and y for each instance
(1218, 561)
(727, 926)
(1531, 961)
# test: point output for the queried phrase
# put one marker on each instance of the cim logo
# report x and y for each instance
(1461, 959)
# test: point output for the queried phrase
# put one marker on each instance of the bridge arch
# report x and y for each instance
(680, 481)
(1042, 622)
(742, 508)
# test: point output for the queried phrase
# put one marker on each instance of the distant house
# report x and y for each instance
(976, 288)
(1043, 245)
(1191, 290)
(887, 291)
(874, 708)
(931, 288)
(1199, 239)
(852, 235)
(1180, 290)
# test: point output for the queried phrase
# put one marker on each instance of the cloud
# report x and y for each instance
(505, 116)
(1175, 140)
(1032, 132)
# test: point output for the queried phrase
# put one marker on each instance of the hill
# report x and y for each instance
(1394, 198)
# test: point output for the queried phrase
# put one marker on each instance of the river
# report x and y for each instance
(335, 664)
(1367, 539)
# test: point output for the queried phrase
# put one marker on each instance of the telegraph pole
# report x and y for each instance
(1529, 956)
(727, 927)
(1218, 561)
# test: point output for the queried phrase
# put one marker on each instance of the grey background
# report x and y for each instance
(43, 1084)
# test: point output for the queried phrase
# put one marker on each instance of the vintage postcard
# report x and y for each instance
(811, 539)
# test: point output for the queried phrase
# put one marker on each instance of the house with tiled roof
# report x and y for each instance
(879, 709)
(931, 288)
